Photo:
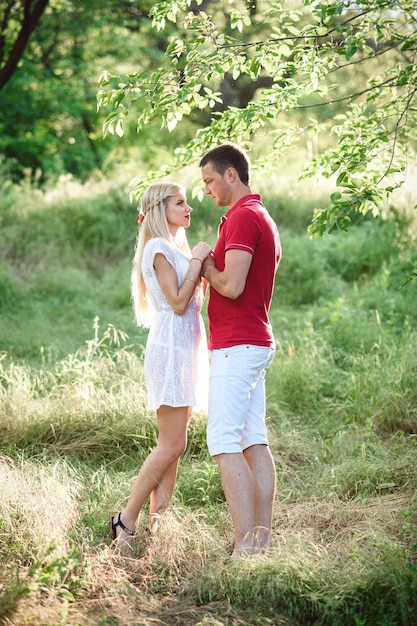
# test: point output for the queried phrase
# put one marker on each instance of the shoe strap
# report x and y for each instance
(123, 527)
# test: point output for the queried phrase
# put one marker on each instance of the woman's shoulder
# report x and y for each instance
(159, 245)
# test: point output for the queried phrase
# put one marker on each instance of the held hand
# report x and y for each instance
(201, 251)
(207, 265)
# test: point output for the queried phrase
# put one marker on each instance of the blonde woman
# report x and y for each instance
(168, 294)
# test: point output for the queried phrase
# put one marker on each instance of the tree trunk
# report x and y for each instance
(32, 13)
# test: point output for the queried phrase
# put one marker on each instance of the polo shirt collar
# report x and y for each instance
(241, 202)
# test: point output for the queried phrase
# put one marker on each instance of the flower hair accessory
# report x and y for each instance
(141, 218)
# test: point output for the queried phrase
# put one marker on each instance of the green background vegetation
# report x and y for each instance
(74, 428)
(342, 393)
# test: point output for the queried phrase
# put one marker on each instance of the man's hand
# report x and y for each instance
(208, 265)
(231, 282)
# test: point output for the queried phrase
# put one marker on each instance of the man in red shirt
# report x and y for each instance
(241, 273)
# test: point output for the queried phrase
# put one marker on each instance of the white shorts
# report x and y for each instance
(237, 403)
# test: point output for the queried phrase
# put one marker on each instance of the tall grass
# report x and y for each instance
(74, 430)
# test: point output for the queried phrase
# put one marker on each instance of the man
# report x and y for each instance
(241, 273)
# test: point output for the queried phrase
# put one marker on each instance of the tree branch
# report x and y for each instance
(31, 17)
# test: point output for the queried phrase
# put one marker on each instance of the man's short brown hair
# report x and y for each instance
(228, 155)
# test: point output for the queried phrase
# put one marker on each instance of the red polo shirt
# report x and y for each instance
(246, 226)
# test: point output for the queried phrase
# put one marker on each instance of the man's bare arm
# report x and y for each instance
(232, 280)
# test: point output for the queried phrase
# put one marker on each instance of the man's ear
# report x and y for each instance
(231, 174)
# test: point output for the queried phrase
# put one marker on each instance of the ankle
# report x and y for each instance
(127, 519)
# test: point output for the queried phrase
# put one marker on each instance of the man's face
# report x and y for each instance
(215, 185)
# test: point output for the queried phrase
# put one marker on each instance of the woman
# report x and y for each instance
(168, 294)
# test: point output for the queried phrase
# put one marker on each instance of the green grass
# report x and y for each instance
(74, 429)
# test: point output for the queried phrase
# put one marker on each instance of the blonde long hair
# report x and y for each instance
(154, 224)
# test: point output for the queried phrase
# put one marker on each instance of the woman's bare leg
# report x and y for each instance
(161, 496)
(159, 470)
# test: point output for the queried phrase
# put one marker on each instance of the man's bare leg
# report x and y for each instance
(261, 463)
(239, 490)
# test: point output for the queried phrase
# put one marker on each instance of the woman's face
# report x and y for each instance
(178, 212)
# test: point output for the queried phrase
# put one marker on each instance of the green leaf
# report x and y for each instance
(412, 276)
(341, 178)
(351, 49)
(119, 128)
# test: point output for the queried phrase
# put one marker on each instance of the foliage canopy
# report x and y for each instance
(51, 54)
(340, 72)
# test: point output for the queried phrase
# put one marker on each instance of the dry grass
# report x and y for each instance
(335, 526)
(345, 517)
(71, 459)
(167, 582)
(39, 507)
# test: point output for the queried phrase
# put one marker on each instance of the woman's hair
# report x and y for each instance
(154, 224)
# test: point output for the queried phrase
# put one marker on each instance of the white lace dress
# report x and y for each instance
(176, 357)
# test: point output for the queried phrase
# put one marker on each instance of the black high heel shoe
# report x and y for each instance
(114, 525)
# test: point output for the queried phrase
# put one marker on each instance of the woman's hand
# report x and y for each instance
(201, 251)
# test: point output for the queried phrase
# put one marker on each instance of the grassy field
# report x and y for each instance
(342, 416)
